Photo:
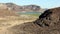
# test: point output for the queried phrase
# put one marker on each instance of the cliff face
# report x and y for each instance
(47, 23)
(14, 7)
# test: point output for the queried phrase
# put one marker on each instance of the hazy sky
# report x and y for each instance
(42, 3)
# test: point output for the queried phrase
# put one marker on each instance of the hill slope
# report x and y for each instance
(7, 13)
(48, 23)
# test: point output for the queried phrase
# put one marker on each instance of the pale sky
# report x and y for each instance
(42, 3)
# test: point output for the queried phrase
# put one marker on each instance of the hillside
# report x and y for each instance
(7, 13)
(47, 23)
(17, 8)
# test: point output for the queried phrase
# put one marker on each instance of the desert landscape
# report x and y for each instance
(47, 23)
(28, 19)
(9, 16)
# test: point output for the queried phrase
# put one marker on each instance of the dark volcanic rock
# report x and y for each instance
(48, 23)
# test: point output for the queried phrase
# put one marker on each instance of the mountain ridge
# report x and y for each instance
(17, 8)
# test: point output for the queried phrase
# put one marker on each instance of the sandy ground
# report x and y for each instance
(6, 22)
(5, 25)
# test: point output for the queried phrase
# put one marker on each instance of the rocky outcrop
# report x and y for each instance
(49, 17)
(47, 23)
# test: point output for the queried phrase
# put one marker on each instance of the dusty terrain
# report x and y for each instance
(10, 21)
(48, 23)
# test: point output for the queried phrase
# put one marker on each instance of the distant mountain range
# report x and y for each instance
(17, 8)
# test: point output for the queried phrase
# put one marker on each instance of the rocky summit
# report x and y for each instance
(47, 23)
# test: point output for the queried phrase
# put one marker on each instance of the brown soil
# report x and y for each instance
(5, 12)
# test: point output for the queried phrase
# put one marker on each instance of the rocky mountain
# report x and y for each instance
(14, 7)
(47, 23)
